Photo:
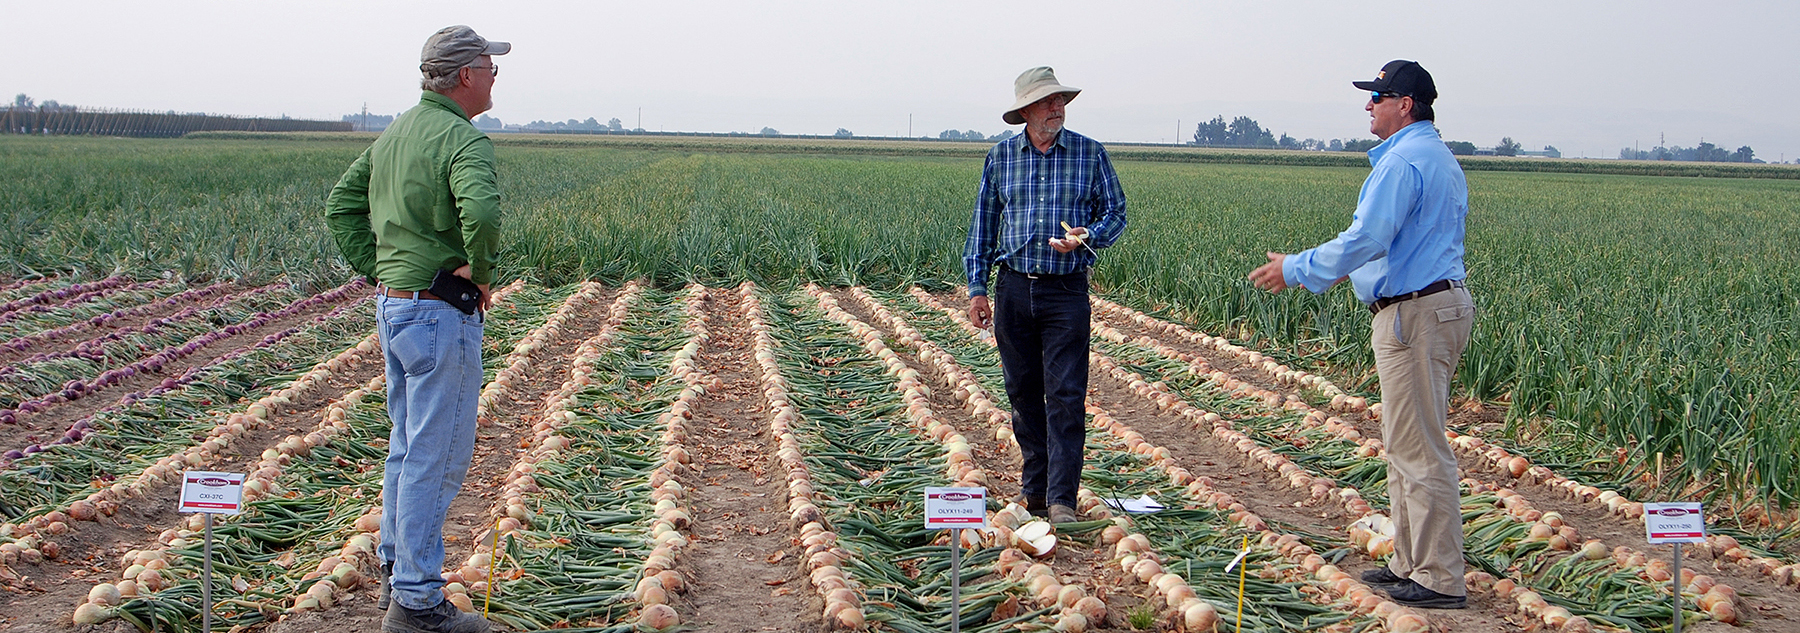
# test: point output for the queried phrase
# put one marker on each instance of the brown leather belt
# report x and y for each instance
(407, 294)
(1435, 287)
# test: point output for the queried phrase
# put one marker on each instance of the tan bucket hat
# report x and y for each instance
(1031, 86)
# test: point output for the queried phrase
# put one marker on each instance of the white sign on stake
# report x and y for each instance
(211, 492)
(951, 508)
(1674, 522)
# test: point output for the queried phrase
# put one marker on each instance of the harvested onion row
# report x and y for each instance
(1725, 549)
(1367, 447)
(1013, 527)
(915, 393)
(554, 457)
(545, 443)
(1467, 444)
(153, 363)
(1319, 487)
(1560, 536)
(824, 560)
(1328, 578)
(1078, 609)
(673, 514)
(1368, 532)
(193, 295)
(1282, 374)
(67, 293)
(169, 469)
(518, 361)
(146, 572)
(1137, 559)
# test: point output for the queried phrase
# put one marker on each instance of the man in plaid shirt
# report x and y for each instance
(1049, 201)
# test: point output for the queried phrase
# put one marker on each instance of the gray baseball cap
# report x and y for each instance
(454, 47)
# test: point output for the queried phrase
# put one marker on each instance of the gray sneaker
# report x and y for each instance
(443, 618)
(387, 577)
(1060, 513)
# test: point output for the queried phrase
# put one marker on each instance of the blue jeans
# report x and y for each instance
(434, 376)
(1041, 329)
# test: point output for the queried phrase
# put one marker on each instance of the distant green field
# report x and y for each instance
(1654, 313)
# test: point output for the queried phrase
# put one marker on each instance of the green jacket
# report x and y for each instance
(422, 198)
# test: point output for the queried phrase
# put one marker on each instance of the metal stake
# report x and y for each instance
(956, 581)
(206, 582)
(1675, 585)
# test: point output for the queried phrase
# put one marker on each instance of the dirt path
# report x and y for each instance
(744, 561)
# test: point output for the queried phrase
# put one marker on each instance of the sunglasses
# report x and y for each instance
(1375, 96)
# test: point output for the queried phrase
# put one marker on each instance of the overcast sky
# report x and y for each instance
(1587, 77)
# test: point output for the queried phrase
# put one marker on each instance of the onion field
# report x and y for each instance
(718, 379)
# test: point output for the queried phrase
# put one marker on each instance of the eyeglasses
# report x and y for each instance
(1375, 96)
(494, 67)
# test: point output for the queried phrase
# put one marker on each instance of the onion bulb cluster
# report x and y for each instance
(1282, 374)
(518, 362)
(824, 559)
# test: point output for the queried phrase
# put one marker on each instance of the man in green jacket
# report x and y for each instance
(419, 202)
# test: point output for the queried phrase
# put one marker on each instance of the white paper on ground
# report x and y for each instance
(1140, 505)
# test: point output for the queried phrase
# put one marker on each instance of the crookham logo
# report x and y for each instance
(212, 482)
(1674, 512)
(956, 496)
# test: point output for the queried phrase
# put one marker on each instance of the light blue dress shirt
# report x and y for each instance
(1408, 228)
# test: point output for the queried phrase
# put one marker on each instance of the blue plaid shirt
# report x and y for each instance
(1025, 197)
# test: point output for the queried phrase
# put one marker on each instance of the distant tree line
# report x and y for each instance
(1704, 152)
(26, 116)
(1243, 131)
(590, 125)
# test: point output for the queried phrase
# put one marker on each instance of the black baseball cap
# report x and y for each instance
(1406, 78)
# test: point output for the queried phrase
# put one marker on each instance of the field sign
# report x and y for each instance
(955, 508)
(211, 492)
(1674, 523)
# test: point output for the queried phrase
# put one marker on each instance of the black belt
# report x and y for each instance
(1047, 276)
(1435, 287)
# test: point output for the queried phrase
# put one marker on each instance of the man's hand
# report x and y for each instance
(1269, 276)
(1070, 242)
(468, 273)
(980, 312)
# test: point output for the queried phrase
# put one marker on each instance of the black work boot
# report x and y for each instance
(1413, 594)
(1383, 578)
(443, 618)
(1035, 505)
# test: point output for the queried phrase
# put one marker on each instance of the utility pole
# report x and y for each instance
(365, 113)
(909, 125)
(1177, 131)
(640, 124)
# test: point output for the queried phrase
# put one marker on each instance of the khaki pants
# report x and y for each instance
(1417, 346)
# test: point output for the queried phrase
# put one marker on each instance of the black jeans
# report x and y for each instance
(1041, 329)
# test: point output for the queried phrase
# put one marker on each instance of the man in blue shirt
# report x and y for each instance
(1403, 253)
(1033, 186)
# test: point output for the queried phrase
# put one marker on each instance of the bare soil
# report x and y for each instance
(744, 562)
